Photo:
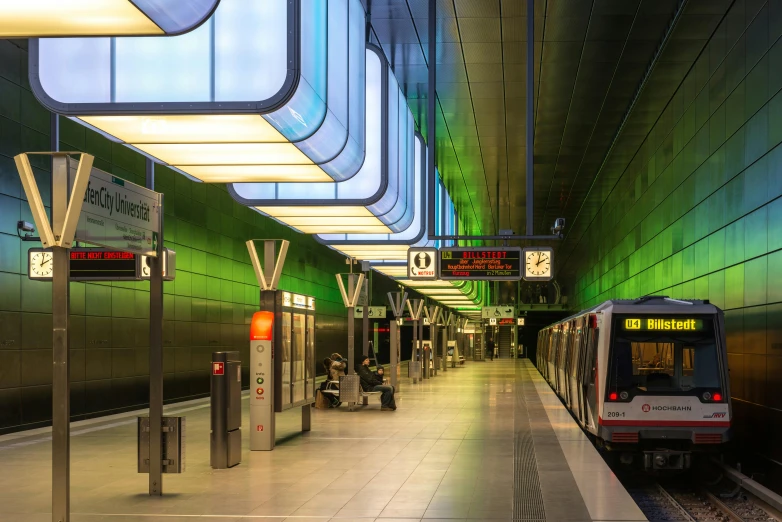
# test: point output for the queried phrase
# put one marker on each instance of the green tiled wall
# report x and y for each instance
(697, 213)
(206, 309)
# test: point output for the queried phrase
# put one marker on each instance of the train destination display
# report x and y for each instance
(675, 324)
(486, 263)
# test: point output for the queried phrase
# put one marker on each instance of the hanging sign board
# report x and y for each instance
(497, 312)
(422, 264)
(118, 214)
(374, 312)
(484, 263)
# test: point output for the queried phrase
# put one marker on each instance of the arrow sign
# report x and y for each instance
(374, 312)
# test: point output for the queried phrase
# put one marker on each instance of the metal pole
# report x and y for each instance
(431, 118)
(393, 361)
(433, 339)
(413, 361)
(351, 327)
(444, 342)
(514, 237)
(61, 386)
(530, 113)
(365, 320)
(424, 359)
(155, 355)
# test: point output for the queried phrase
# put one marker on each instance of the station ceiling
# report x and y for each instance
(591, 59)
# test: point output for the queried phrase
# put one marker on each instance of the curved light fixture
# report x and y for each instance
(379, 198)
(31, 18)
(388, 252)
(263, 91)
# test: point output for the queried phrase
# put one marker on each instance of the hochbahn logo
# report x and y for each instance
(646, 408)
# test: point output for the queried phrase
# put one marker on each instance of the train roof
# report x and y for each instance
(648, 304)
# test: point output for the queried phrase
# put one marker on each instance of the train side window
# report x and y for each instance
(705, 372)
(623, 364)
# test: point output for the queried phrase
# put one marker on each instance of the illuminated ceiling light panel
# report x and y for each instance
(382, 192)
(380, 248)
(439, 292)
(31, 18)
(222, 104)
(410, 282)
(391, 271)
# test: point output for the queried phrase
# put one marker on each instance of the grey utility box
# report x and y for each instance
(226, 410)
(173, 444)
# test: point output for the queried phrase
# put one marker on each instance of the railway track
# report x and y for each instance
(677, 501)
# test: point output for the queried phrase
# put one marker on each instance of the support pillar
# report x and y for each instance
(155, 356)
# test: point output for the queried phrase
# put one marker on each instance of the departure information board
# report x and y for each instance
(487, 263)
(99, 264)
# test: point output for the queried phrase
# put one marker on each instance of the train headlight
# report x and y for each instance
(624, 395)
(716, 397)
(706, 396)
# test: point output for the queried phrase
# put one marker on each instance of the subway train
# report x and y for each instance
(647, 378)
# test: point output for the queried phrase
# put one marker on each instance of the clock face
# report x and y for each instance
(537, 264)
(41, 265)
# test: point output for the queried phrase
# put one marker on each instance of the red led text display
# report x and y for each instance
(480, 263)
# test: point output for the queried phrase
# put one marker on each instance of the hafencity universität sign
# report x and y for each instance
(118, 214)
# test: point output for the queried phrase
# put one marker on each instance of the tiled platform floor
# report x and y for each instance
(447, 453)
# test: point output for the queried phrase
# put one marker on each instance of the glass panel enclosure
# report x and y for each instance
(299, 332)
(309, 368)
(286, 358)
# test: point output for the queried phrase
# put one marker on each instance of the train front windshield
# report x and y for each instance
(664, 355)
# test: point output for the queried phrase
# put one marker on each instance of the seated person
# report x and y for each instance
(369, 382)
(379, 373)
(337, 368)
(327, 365)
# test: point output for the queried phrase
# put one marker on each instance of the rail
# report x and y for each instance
(759, 490)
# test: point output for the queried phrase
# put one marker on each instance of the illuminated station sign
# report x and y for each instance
(492, 264)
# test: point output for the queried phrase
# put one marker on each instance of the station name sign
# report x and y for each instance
(494, 264)
(656, 324)
(118, 214)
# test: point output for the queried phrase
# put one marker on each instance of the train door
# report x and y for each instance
(581, 373)
(590, 372)
(562, 362)
(552, 355)
(575, 347)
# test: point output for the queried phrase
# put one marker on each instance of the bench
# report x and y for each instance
(351, 386)
(461, 359)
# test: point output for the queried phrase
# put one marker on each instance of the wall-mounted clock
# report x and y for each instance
(39, 264)
(538, 263)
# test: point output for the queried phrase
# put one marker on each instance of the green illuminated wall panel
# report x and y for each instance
(206, 309)
(698, 212)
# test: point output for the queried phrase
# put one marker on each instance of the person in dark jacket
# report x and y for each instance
(490, 347)
(369, 382)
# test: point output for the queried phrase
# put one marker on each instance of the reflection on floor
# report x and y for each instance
(452, 451)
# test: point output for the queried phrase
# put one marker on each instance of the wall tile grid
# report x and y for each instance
(207, 308)
(698, 214)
